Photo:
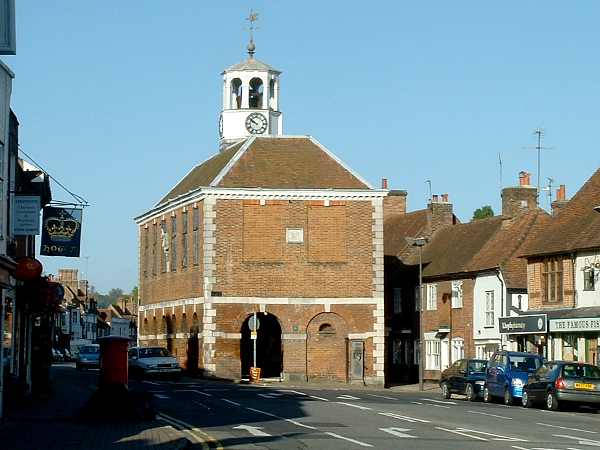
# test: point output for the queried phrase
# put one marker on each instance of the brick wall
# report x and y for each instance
(535, 267)
(320, 272)
(327, 348)
(184, 282)
(460, 320)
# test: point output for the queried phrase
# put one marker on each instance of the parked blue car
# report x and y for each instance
(507, 373)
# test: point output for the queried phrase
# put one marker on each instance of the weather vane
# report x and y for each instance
(253, 17)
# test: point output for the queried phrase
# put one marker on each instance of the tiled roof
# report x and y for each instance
(271, 163)
(399, 227)
(203, 174)
(251, 64)
(452, 248)
(576, 227)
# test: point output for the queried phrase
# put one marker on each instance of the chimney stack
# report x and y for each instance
(440, 212)
(561, 199)
(521, 198)
(384, 183)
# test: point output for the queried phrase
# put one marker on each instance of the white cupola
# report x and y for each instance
(250, 100)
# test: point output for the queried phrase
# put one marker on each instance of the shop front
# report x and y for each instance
(526, 333)
(575, 338)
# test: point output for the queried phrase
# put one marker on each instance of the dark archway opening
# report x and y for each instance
(269, 353)
(193, 345)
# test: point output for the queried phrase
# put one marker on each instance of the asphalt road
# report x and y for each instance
(277, 417)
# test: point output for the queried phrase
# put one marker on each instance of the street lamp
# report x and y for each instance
(420, 243)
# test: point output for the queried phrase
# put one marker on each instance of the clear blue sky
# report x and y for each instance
(118, 99)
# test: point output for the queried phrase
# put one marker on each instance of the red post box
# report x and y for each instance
(113, 360)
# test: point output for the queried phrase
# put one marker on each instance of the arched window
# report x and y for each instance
(326, 329)
(236, 94)
(272, 94)
(256, 93)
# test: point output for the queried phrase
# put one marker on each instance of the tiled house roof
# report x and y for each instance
(271, 163)
(399, 227)
(452, 249)
(576, 227)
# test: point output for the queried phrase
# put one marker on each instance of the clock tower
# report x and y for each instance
(250, 99)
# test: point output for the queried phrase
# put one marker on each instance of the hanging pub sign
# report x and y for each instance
(26, 218)
(61, 232)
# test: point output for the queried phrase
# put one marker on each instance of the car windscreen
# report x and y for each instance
(525, 363)
(89, 349)
(153, 352)
(477, 366)
(581, 371)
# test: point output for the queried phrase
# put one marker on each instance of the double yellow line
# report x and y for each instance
(196, 434)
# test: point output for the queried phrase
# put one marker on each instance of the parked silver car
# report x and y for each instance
(88, 357)
(152, 360)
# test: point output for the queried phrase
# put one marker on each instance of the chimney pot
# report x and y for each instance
(445, 198)
(434, 198)
(384, 183)
(524, 178)
(561, 193)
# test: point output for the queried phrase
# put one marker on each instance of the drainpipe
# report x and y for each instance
(501, 305)
(573, 275)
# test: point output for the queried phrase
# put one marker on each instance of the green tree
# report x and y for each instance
(483, 212)
(134, 294)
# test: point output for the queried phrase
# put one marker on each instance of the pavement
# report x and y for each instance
(271, 416)
(53, 423)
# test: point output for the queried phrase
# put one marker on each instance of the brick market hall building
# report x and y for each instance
(271, 224)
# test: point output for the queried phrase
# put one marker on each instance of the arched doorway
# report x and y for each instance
(269, 353)
(193, 344)
(327, 348)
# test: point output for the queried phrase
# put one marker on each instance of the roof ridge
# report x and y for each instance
(238, 154)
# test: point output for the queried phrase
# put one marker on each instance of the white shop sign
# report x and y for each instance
(582, 324)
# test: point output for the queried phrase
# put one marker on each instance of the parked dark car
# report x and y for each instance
(560, 382)
(89, 357)
(507, 373)
(465, 376)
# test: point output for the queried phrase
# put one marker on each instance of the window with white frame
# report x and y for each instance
(489, 308)
(431, 297)
(397, 300)
(458, 349)
(457, 294)
(433, 355)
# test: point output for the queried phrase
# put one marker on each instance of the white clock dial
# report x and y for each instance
(256, 123)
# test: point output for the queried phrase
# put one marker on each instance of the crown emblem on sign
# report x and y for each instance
(61, 228)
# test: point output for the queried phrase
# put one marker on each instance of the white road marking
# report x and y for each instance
(417, 403)
(381, 396)
(270, 395)
(438, 401)
(152, 382)
(474, 434)
(580, 440)
(491, 415)
(161, 396)
(354, 441)
(281, 418)
(566, 428)
(254, 431)
(406, 418)
(318, 398)
(293, 392)
(440, 406)
(206, 394)
(347, 397)
(398, 432)
(231, 402)
(353, 406)
(216, 389)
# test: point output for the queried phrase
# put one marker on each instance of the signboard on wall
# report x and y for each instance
(529, 324)
(582, 324)
(61, 232)
(26, 218)
(7, 28)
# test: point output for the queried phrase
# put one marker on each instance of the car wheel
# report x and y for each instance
(551, 402)
(508, 398)
(526, 400)
(445, 391)
(487, 397)
(470, 393)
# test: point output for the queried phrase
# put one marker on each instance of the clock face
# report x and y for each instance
(221, 125)
(256, 123)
